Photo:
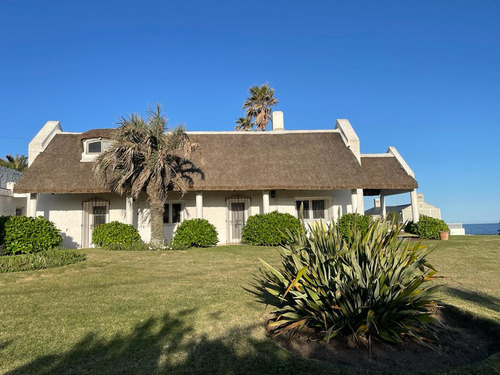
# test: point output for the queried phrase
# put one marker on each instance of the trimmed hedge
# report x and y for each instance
(195, 233)
(115, 235)
(350, 222)
(427, 227)
(30, 235)
(270, 229)
(3, 221)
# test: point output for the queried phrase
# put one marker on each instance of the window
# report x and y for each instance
(94, 147)
(172, 213)
(311, 208)
(318, 208)
(19, 211)
(304, 206)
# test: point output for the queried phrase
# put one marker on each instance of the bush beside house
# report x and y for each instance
(115, 235)
(349, 223)
(26, 235)
(427, 227)
(270, 229)
(3, 221)
(195, 233)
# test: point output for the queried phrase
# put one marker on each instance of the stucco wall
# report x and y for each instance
(423, 209)
(66, 210)
(7, 203)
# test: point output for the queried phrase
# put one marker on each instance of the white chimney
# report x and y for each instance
(278, 123)
(376, 202)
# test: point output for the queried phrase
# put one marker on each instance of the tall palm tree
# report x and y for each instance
(18, 162)
(147, 156)
(258, 107)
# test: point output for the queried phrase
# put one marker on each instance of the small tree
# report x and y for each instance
(145, 157)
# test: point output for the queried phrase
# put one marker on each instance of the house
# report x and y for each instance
(245, 173)
(10, 203)
(405, 210)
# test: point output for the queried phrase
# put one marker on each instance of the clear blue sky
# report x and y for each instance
(423, 76)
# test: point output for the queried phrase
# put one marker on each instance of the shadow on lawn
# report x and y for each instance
(169, 345)
(478, 298)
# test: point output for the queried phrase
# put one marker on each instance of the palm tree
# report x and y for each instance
(18, 162)
(258, 107)
(243, 123)
(146, 156)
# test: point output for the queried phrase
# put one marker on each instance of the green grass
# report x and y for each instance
(40, 260)
(186, 312)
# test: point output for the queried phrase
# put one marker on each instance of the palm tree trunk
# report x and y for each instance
(156, 204)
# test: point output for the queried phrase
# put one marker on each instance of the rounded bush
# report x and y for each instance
(195, 233)
(350, 222)
(427, 227)
(30, 235)
(270, 229)
(360, 286)
(115, 234)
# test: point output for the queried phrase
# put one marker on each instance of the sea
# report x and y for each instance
(481, 228)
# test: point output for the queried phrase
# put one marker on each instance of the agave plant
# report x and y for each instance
(370, 285)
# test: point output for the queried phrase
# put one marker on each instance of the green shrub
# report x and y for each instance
(30, 235)
(40, 260)
(351, 222)
(394, 217)
(411, 227)
(270, 229)
(116, 236)
(362, 286)
(427, 227)
(3, 221)
(194, 233)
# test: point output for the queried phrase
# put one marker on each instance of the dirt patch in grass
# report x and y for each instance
(462, 340)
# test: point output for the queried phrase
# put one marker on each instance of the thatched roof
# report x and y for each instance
(385, 173)
(316, 160)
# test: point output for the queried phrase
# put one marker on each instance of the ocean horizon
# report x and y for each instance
(488, 228)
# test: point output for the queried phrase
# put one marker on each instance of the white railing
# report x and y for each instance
(456, 229)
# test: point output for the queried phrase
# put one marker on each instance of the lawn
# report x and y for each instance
(188, 311)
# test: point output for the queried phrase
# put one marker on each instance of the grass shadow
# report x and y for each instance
(478, 298)
(169, 345)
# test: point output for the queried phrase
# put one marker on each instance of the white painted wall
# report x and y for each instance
(7, 203)
(10, 201)
(42, 139)
(65, 210)
(423, 209)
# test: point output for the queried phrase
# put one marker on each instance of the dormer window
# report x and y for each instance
(92, 148)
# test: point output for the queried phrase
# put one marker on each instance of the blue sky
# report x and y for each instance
(421, 76)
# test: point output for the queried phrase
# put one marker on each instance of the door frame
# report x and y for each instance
(87, 220)
(246, 214)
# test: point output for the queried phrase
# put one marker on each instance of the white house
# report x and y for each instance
(405, 210)
(245, 173)
(10, 203)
